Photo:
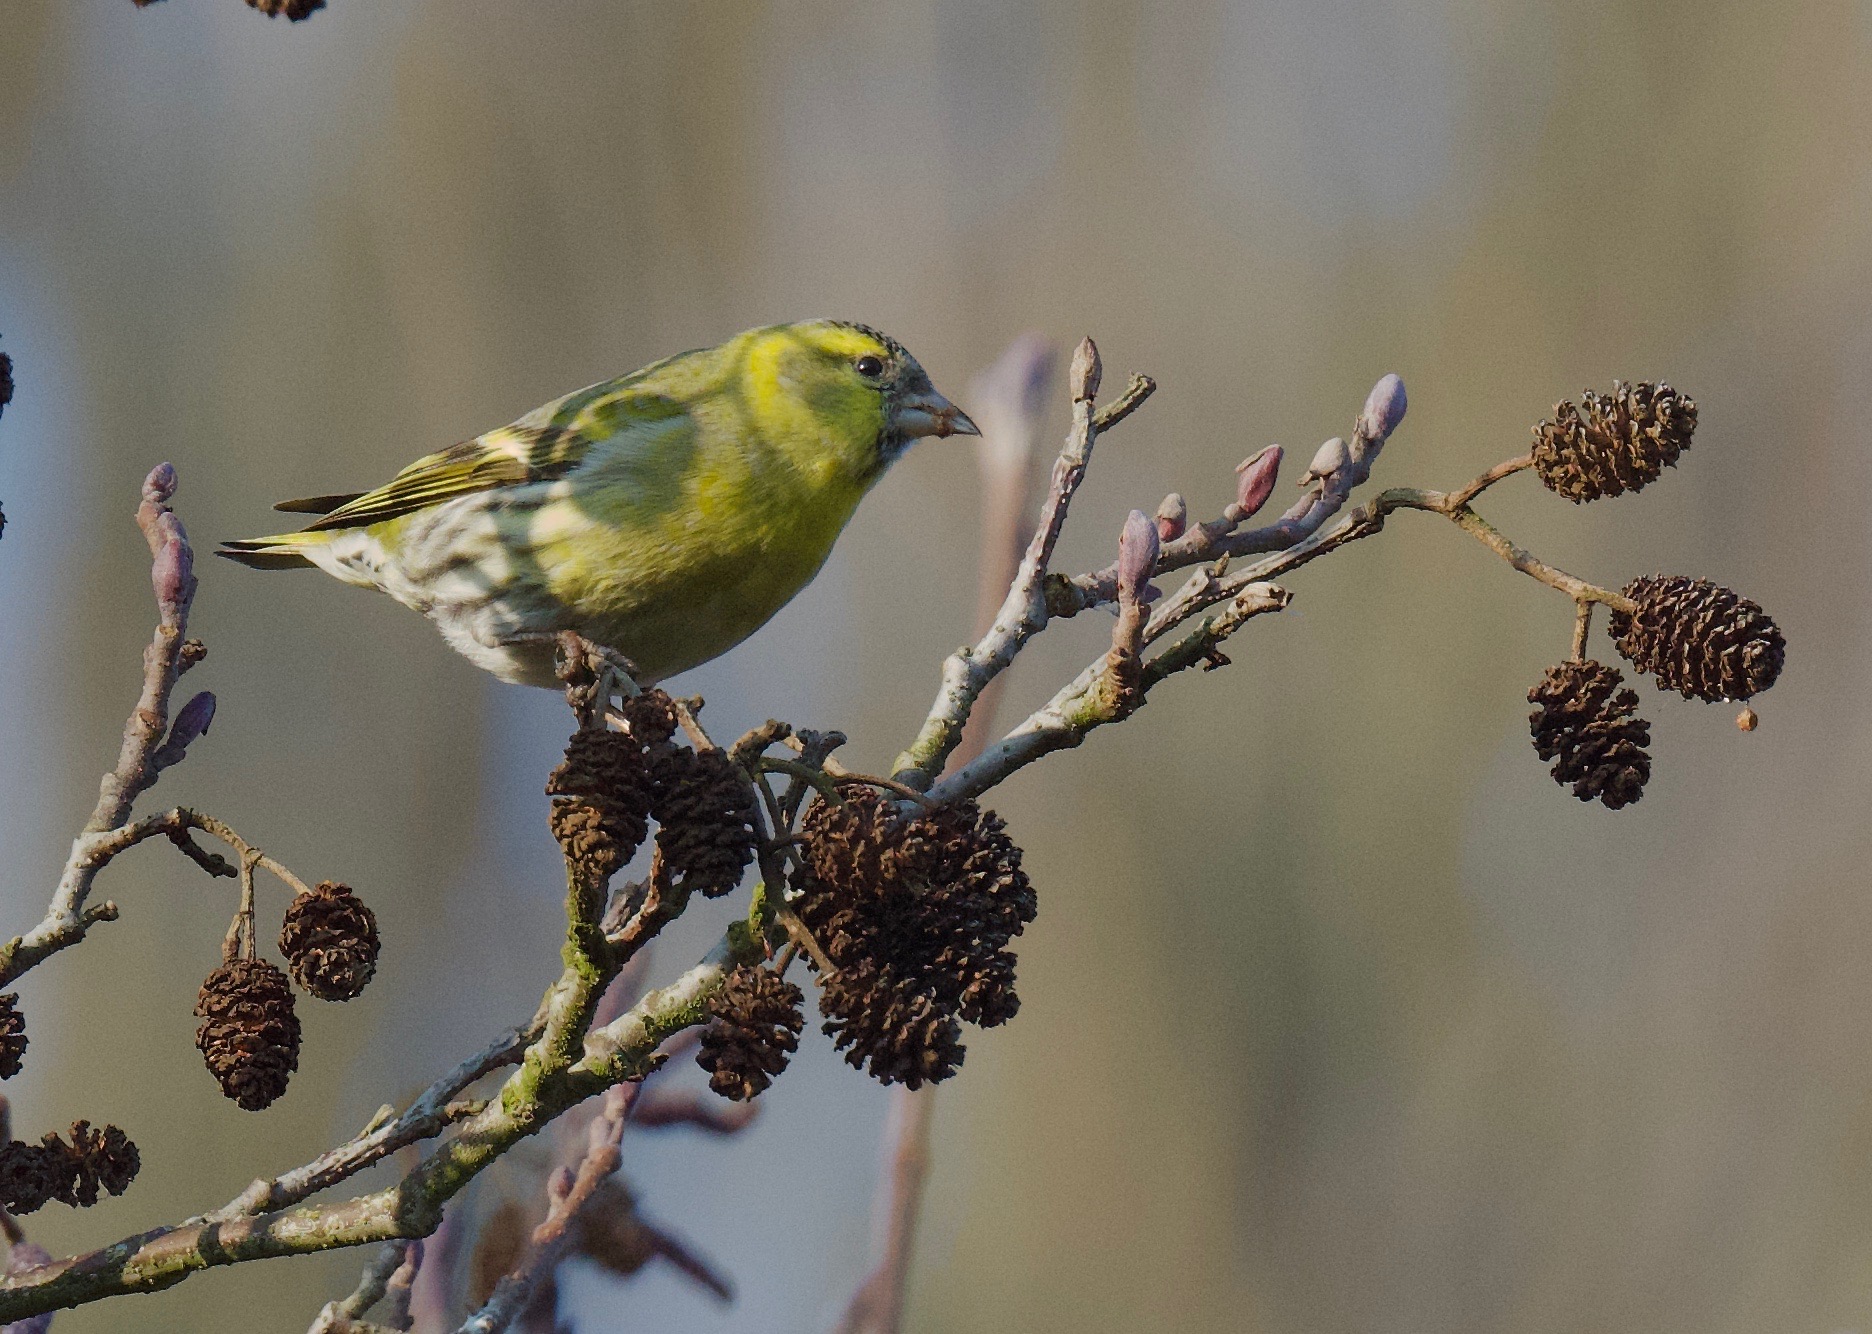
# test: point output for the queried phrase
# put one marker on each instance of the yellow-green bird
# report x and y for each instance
(667, 514)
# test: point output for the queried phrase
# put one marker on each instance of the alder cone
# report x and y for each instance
(649, 717)
(916, 915)
(30, 1174)
(104, 1159)
(1584, 720)
(755, 1027)
(601, 800)
(1613, 443)
(12, 1035)
(704, 809)
(1699, 638)
(330, 941)
(249, 1035)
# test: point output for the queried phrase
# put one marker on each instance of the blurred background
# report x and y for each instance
(1339, 1015)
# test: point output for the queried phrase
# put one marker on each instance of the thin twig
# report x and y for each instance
(551, 1238)
(967, 672)
(173, 579)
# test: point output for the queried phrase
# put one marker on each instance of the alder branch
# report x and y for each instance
(557, 1073)
(172, 577)
(1024, 612)
(1104, 692)
(574, 1049)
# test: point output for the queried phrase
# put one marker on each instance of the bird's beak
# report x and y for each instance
(932, 414)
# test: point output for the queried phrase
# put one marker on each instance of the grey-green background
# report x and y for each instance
(1338, 1015)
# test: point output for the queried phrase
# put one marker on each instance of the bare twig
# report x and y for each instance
(173, 579)
(877, 1307)
(550, 1239)
(393, 1267)
(685, 1107)
(1024, 612)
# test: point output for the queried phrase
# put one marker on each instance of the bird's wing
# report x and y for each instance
(543, 446)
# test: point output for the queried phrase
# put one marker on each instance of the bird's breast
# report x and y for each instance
(676, 583)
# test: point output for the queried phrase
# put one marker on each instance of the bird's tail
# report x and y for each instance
(285, 551)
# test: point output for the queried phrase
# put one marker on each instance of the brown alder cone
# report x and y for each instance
(915, 914)
(704, 809)
(602, 794)
(12, 1035)
(755, 1027)
(104, 1159)
(330, 941)
(1698, 638)
(1584, 720)
(249, 1035)
(1615, 442)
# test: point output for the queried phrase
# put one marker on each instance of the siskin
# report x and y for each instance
(668, 514)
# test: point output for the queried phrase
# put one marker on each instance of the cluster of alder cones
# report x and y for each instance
(249, 1035)
(70, 1171)
(911, 911)
(1692, 636)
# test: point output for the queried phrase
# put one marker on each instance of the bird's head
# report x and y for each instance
(867, 391)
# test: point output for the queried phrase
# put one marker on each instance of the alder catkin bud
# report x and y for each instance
(172, 572)
(1137, 556)
(191, 721)
(6, 380)
(1087, 371)
(1328, 459)
(1384, 409)
(1172, 517)
(1254, 482)
(160, 485)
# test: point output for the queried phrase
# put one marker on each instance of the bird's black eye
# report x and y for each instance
(869, 366)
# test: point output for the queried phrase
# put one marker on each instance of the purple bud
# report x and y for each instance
(172, 573)
(1254, 480)
(193, 719)
(1384, 409)
(1087, 371)
(160, 485)
(1137, 556)
(1172, 517)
